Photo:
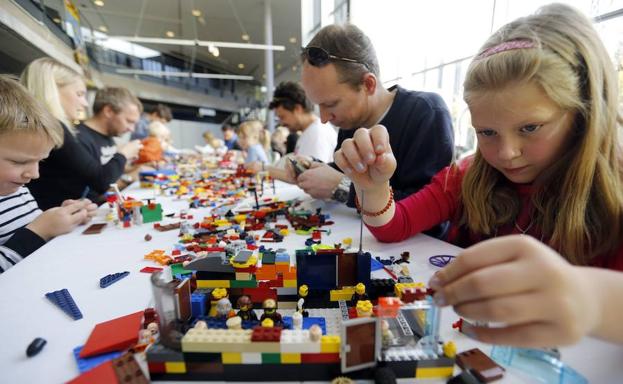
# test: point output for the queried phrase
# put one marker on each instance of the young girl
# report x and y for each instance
(252, 139)
(543, 98)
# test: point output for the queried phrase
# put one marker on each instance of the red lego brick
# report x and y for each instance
(156, 367)
(270, 334)
(320, 357)
(113, 335)
(176, 252)
(150, 269)
(388, 306)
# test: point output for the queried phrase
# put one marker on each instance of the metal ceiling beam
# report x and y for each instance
(183, 74)
(200, 43)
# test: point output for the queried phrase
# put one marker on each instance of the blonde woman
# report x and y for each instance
(68, 170)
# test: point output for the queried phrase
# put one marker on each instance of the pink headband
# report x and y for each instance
(506, 46)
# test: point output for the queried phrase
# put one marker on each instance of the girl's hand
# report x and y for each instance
(367, 158)
(540, 299)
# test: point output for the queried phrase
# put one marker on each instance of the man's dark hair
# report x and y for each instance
(227, 127)
(288, 95)
(162, 111)
(348, 41)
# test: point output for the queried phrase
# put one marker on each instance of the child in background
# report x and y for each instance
(27, 135)
(153, 145)
(543, 97)
(251, 139)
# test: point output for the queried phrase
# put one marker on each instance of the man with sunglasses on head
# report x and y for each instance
(340, 73)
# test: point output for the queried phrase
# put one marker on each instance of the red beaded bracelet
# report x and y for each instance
(379, 213)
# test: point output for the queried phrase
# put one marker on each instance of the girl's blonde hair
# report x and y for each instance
(21, 112)
(254, 129)
(579, 200)
(43, 78)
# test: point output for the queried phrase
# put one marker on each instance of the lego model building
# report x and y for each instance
(379, 326)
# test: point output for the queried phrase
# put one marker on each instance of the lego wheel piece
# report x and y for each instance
(441, 260)
(35, 346)
(64, 301)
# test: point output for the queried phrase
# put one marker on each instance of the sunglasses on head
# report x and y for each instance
(318, 57)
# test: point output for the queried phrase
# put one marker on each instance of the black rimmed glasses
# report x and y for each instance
(318, 57)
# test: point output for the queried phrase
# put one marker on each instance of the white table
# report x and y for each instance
(77, 262)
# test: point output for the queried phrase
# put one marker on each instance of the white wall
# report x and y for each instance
(187, 134)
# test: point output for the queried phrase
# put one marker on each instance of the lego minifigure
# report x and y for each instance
(154, 329)
(270, 312)
(360, 294)
(224, 309)
(303, 291)
(297, 320)
(387, 335)
(245, 307)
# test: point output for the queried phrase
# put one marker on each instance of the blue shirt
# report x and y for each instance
(256, 153)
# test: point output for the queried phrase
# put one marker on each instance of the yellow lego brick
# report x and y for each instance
(345, 293)
(231, 357)
(290, 358)
(175, 367)
(284, 232)
(289, 283)
(329, 344)
(212, 283)
(243, 276)
(434, 372)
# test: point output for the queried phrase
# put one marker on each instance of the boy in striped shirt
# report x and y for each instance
(28, 132)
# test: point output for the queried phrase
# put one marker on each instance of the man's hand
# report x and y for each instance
(319, 180)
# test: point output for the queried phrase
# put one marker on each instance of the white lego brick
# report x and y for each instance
(251, 358)
(297, 341)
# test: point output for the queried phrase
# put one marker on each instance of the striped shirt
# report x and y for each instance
(16, 211)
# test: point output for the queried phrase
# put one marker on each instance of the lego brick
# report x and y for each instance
(231, 358)
(108, 280)
(271, 358)
(216, 340)
(433, 372)
(213, 284)
(102, 374)
(62, 299)
(263, 347)
(127, 370)
(330, 344)
(290, 358)
(243, 276)
(113, 335)
(289, 283)
(94, 228)
(345, 293)
(175, 367)
(320, 358)
(92, 362)
(150, 269)
(480, 365)
(251, 358)
(243, 283)
(158, 353)
(268, 258)
(266, 334)
(297, 341)
(198, 303)
(282, 267)
(156, 367)
(319, 321)
(202, 368)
